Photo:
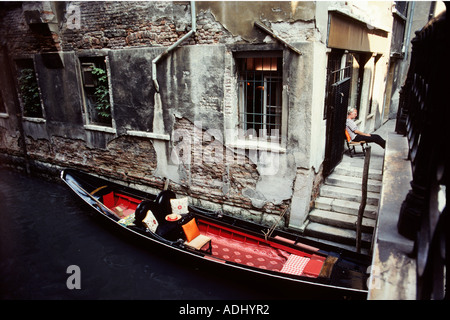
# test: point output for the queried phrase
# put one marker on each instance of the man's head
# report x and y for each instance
(352, 113)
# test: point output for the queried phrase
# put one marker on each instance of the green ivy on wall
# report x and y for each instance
(29, 93)
(101, 93)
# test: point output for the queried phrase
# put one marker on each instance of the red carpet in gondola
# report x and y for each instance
(254, 255)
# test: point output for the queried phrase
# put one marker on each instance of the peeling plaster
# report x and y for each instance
(238, 17)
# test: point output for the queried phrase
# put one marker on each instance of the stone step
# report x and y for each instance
(376, 162)
(337, 235)
(348, 194)
(344, 206)
(353, 182)
(341, 220)
(348, 170)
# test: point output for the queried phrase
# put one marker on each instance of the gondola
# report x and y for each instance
(221, 240)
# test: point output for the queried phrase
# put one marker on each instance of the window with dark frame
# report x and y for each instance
(96, 90)
(28, 89)
(260, 81)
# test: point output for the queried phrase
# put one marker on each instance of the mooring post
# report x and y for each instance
(362, 206)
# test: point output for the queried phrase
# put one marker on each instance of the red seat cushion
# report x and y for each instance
(313, 268)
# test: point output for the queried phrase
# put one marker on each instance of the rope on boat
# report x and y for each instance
(269, 231)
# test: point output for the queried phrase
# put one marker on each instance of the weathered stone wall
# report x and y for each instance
(117, 24)
(120, 24)
(9, 142)
(87, 25)
(218, 177)
(23, 29)
(131, 159)
(198, 94)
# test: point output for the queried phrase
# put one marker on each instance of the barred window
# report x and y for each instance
(260, 90)
(340, 67)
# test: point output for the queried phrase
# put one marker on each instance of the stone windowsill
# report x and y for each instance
(36, 120)
(257, 145)
(149, 135)
(94, 127)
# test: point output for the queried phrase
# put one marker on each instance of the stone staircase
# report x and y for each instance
(333, 218)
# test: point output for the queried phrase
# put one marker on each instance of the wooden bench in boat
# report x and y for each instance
(194, 239)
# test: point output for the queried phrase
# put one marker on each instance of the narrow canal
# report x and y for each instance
(44, 229)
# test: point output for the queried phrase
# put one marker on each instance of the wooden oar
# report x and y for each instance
(96, 200)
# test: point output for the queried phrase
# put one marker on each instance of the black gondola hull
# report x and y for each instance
(348, 279)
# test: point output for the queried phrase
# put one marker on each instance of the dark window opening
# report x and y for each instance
(28, 89)
(96, 90)
(260, 90)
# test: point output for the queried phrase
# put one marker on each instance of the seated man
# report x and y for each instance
(356, 135)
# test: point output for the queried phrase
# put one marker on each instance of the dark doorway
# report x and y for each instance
(337, 98)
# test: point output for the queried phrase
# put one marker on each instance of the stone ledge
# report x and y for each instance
(393, 273)
(149, 135)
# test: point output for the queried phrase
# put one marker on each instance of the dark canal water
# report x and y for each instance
(44, 229)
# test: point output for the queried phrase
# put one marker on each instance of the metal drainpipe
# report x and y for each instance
(176, 44)
(408, 33)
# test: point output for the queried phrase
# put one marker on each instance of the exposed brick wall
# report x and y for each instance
(130, 159)
(18, 36)
(223, 181)
(120, 24)
(117, 25)
(112, 25)
(209, 31)
(133, 160)
(9, 142)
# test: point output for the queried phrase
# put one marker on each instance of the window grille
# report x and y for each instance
(260, 90)
(339, 68)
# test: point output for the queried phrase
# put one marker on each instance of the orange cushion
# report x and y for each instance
(191, 230)
(347, 135)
